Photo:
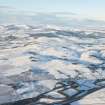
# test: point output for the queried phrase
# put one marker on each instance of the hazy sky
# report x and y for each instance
(88, 8)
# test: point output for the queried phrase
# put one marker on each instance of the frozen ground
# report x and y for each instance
(34, 58)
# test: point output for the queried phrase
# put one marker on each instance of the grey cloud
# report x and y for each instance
(6, 7)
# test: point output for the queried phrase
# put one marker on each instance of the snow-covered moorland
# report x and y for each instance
(62, 62)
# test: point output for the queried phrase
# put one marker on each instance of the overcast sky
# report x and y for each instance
(87, 8)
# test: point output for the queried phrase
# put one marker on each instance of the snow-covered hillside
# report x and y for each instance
(34, 58)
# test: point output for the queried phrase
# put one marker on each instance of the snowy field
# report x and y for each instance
(34, 58)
